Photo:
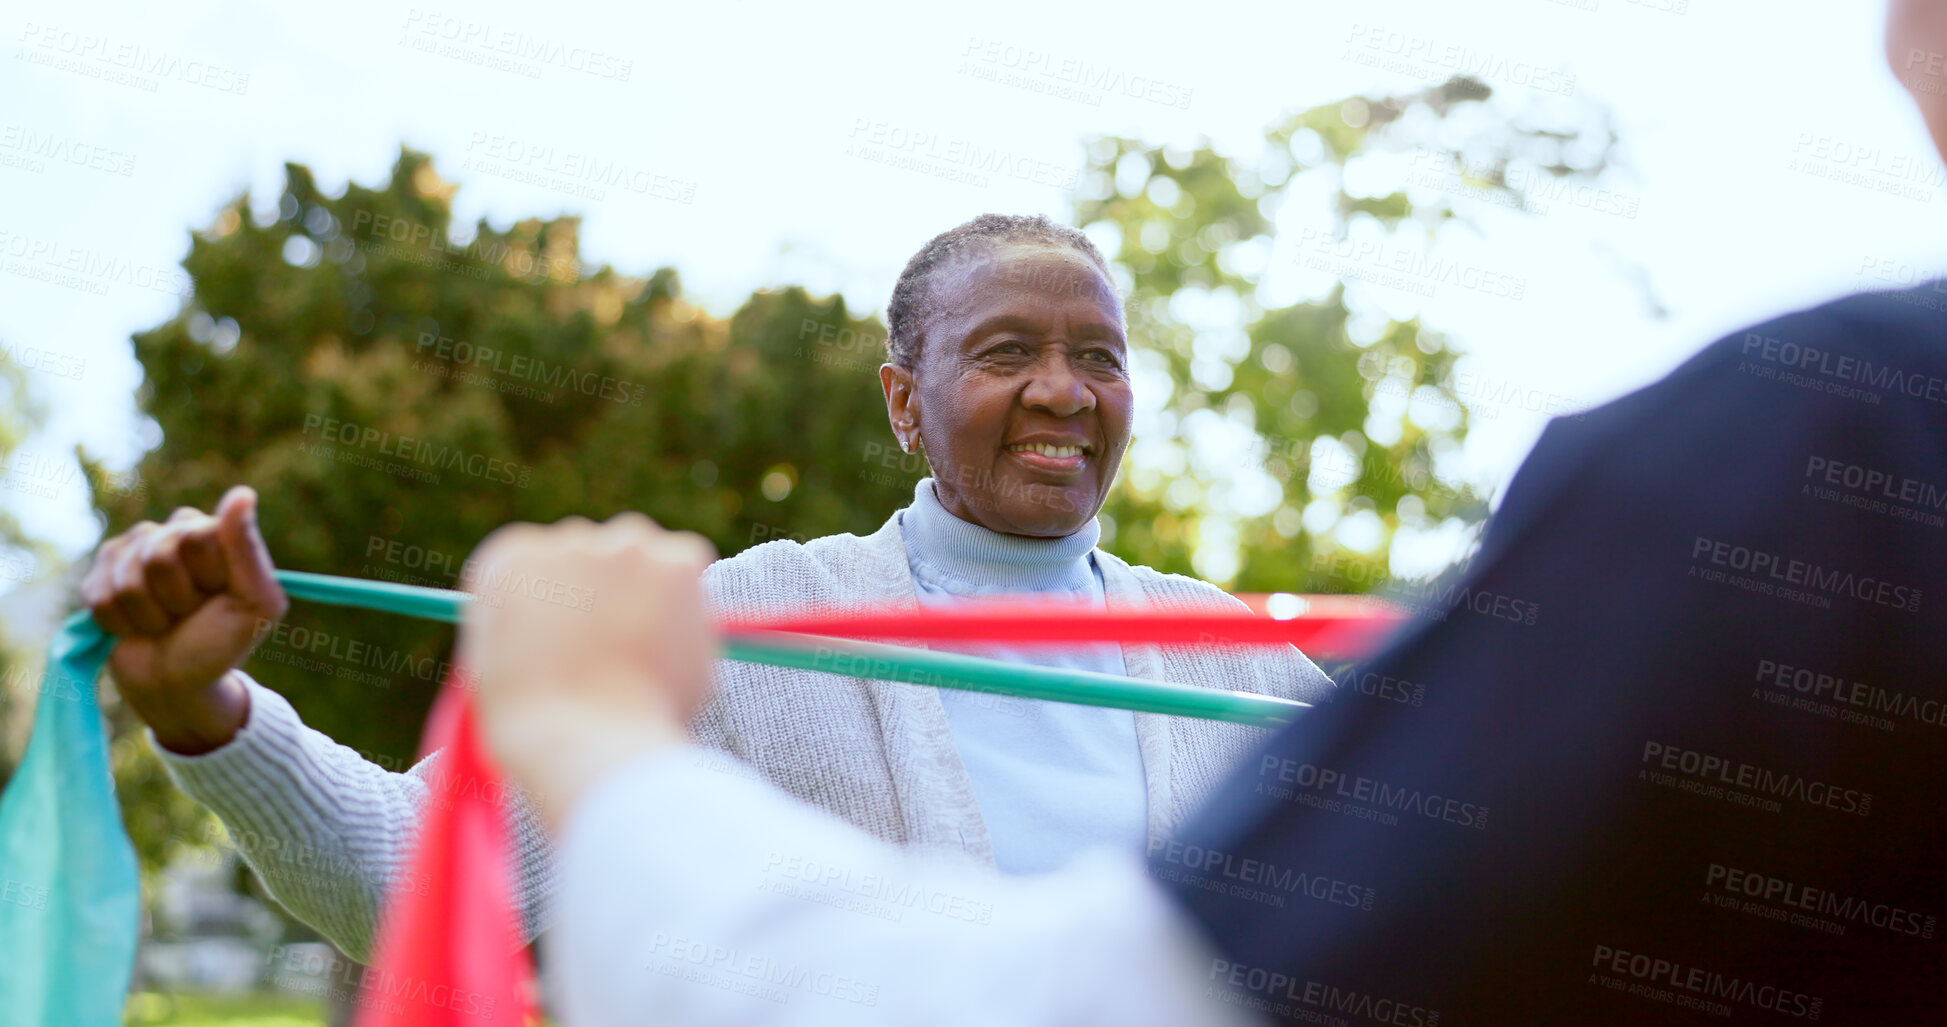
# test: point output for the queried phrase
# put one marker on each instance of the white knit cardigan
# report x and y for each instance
(328, 831)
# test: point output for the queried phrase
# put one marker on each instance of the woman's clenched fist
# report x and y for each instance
(187, 600)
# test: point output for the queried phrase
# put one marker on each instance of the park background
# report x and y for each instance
(601, 258)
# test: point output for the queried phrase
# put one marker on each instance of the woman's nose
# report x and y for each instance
(1057, 389)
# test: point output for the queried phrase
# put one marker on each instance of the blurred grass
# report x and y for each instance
(152, 1009)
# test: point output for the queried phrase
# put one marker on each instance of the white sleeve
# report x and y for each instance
(690, 893)
(328, 830)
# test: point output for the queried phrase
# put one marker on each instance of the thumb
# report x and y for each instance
(244, 553)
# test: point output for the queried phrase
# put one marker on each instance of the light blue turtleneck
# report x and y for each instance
(1052, 779)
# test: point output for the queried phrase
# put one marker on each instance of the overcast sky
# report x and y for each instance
(1770, 155)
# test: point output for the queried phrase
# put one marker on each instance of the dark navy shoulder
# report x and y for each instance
(1907, 326)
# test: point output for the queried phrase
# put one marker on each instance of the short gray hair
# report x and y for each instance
(905, 315)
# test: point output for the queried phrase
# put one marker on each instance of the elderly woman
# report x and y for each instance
(1008, 368)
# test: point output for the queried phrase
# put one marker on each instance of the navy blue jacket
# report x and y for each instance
(1673, 749)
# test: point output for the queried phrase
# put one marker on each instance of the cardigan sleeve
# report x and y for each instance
(329, 831)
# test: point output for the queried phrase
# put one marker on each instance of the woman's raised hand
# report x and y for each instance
(187, 600)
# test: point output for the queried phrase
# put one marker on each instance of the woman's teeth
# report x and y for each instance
(1058, 452)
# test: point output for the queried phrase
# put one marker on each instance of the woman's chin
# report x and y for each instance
(1027, 504)
(1045, 511)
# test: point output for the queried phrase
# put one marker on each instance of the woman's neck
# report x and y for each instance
(965, 558)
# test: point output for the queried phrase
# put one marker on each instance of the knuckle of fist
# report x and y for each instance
(125, 579)
(163, 548)
(631, 521)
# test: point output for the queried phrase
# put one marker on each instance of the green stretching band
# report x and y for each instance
(865, 659)
(442, 604)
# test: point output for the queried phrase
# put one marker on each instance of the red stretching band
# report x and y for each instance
(1339, 624)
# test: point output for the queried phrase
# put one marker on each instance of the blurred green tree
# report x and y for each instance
(1347, 424)
(396, 388)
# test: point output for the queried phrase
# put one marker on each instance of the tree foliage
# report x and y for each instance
(1328, 407)
(395, 390)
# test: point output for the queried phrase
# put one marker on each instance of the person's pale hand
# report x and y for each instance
(588, 644)
(187, 600)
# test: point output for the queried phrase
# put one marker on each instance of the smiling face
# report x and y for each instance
(1020, 397)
